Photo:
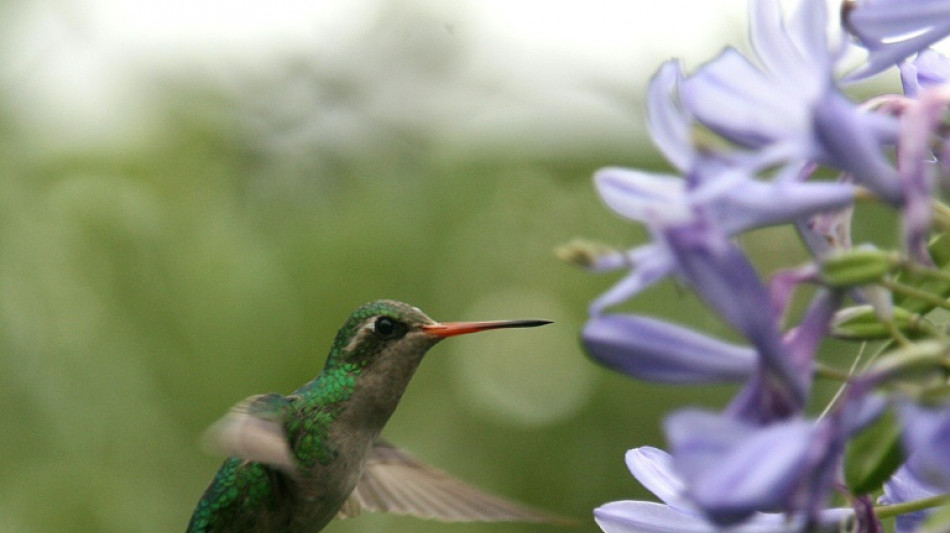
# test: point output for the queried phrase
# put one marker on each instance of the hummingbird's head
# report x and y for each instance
(387, 328)
(377, 351)
(378, 328)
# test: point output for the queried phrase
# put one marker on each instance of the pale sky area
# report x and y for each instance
(78, 72)
(480, 74)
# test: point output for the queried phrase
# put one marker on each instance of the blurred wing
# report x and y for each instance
(254, 430)
(395, 482)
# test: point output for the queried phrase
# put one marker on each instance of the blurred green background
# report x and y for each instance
(191, 232)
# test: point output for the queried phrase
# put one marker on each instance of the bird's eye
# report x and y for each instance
(388, 328)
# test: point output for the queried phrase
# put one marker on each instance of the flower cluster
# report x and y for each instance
(881, 449)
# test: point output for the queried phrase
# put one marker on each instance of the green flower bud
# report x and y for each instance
(861, 323)
(911, 361)
(590, 255)
(857, 266)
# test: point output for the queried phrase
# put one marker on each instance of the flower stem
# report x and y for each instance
(913, 292)
(941, 212)
(890, 511)
(916, 269)
(831, 373)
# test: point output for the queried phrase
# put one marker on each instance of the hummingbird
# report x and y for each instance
(296, 462)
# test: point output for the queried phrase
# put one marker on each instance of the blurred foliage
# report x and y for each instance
(145, 288)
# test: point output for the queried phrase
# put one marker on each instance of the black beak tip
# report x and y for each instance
(532, 323)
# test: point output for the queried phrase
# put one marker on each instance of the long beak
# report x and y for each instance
(450, 329)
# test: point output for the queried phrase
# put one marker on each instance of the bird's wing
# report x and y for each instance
(254, 430)
(396, 482)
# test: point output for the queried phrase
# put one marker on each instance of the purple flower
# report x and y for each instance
(849, 139)
(733, 198)
(729, 195)
(906, 486)
(718, 188)
(725, 279)
(919, 122)
(926, 471)
(654, 469)
(757, 108)
(777, 371)
(759, 464)
(729, 198)
(658, 351)
(716, 183)
(926, 439)
(892, 30)
(827, 232)
(671, 126)
(732, 468)
(928, 69)
(783, 283)
(779, 367)
(802, 341)
(649, 264)
(790, 110)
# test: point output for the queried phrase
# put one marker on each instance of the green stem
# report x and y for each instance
(916, 269)
(890, 511)
(941, 214)
(897, 334)
(913, 292)
(845, 382)
(831, 373)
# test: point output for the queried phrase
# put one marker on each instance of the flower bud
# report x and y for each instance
(591, 255)
(861, 322)
(857, 266)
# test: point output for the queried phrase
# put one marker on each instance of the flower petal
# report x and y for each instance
(648, 517)
(670, 124)
(905, 486)
(653, 468)
(755, 204)
(730, 477)
(658, 351)
(893, 30)
(927, 439)
(736, 100)
(795, 54)
(642, 196)
(929, 68)
(726, 280)
(848, 144)
(651, 262)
